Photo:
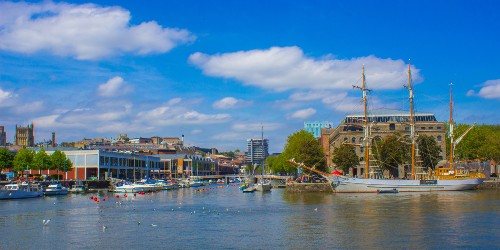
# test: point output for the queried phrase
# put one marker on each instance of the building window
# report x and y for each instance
(345, 139)
(431, 127)
(392, 126)
(438, 127)
(439, 138)
(362, 149)
(423, 128)
(361, 159)
(361, 139)
(407, 128)
(353, 140)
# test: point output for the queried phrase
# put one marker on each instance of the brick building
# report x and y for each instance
(383, 124)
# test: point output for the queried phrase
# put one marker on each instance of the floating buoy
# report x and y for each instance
(135, 195)
(117, 196)
(124, 195)
(91, 197)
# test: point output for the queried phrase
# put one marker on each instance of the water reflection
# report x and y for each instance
(225, 218)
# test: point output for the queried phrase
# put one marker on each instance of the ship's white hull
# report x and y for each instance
(360, 185)
(263, 187)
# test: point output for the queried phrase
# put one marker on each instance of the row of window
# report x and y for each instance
(398, 118)
(378, 138)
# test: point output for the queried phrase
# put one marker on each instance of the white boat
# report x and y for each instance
(55, 189)
(263, 186)
(16, 191)
(77, 188)
(196, 183)
(131, 188)
(443, 179)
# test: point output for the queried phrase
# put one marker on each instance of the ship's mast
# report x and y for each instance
(366, 140)
(412, 123)
(451, 127)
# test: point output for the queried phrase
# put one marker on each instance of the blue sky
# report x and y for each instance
(216, 70)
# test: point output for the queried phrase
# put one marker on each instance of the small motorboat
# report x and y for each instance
(78, 188)
(16, 191)
(250, 189)
(387, 191)
(55, 189)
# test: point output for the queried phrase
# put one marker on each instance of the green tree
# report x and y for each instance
(23, 160)
(41, 161)
(6, 159)
(60, 162)
(303, 147)
(277, 164)
(429, 151)
(391, 152)
(481, 143)
(345, 157)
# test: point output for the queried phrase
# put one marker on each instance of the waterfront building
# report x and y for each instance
(315, 127)
(25, 136)
(257, 150)
(383, 123)
(100, 164)
(3, 136)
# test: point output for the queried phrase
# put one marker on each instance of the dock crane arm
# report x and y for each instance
(463, 135)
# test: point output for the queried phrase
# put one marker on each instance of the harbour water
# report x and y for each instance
(226, 218)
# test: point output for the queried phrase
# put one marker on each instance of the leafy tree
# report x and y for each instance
(345, 157)
(277, 164)
(23, 160)
(481, 143)
(229, 154)
(429, 151)
(391, 152)
(59, 161)
(304, 148)
(6, 159)
(41, 160)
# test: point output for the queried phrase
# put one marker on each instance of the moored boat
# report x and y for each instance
(55, 189)
(77, 188)
(441, 179)
(16, 191)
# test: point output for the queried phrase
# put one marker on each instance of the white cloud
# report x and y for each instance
(256, 127)
(229, 136)
(85, 31)
(31, 107)
(302, 114)
(6, 98)
(283, 68)
(490, 89)
(471, 93)
(114, 87)
(196, 131)
(166, 115)
(231, 103)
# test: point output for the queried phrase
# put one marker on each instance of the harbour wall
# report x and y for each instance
(490, 184)
(308, 187)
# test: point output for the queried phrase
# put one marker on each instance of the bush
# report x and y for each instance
(56, 176)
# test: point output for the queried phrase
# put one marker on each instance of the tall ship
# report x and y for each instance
(448, 178)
